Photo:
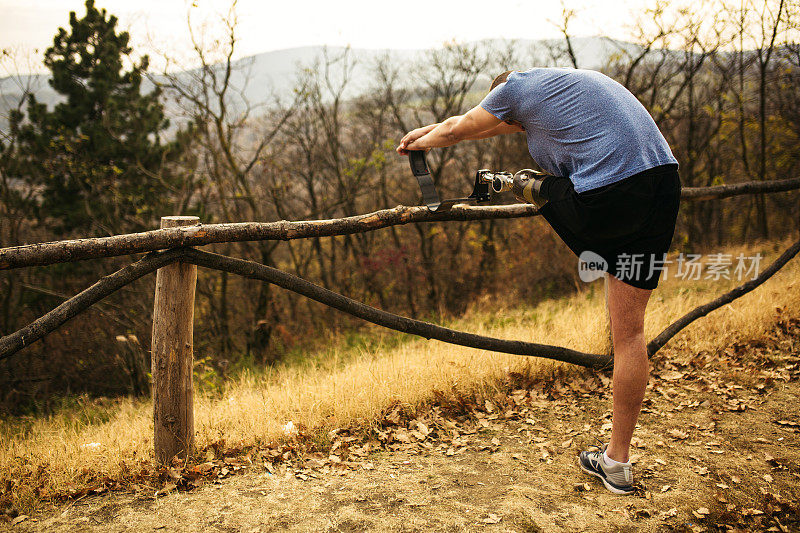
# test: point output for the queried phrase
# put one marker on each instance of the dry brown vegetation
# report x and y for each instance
(722, 398)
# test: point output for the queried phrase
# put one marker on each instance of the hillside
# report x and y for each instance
(264, 76)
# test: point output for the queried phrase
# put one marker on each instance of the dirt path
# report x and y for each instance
(718, 449)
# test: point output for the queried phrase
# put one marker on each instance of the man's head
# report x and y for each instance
(500, 79)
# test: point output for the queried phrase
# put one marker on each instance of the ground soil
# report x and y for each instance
(717, 449)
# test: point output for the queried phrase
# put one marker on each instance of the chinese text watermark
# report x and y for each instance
(686, 266)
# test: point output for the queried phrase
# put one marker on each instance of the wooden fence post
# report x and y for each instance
(172, 361)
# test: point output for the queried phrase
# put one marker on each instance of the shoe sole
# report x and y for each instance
(605, 483)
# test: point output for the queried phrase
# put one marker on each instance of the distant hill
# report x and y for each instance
(270, 74)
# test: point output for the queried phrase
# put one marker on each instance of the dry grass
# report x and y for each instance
(51, 452)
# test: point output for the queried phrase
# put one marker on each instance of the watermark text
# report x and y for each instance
(685, 266)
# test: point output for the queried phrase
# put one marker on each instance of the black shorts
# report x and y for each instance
(629, 223)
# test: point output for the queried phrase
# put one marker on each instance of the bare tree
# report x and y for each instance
(770, 27)
(557, 52)
(16, 196)
(234, 139)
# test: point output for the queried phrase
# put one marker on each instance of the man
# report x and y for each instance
(613, 190)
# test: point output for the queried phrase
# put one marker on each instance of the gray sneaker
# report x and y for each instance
(618, 479)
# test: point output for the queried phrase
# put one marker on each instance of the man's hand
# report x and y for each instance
(412, 136)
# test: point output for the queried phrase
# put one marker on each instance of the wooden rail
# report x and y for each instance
(49, 253)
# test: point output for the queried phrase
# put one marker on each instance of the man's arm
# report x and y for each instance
(501, 129)
(477, 123)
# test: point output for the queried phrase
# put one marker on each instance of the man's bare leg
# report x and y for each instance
(626, 305)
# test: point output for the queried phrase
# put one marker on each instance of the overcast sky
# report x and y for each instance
(26, 25)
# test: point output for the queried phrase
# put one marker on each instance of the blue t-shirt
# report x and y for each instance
(581, 125)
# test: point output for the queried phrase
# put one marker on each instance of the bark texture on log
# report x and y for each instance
(198, 235)
(79, 249)
(172, 355)
(735, 189)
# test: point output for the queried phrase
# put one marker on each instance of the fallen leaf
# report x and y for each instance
(204, 468)
(672, 375)
(567, 443)
(492, 518)
(678, 434)
(701, 512)
(167, 488)
(19, 519)
(665, 488)
(669, 514)
(495, 441)
(402, 435)
(768, 478)
(393, 417)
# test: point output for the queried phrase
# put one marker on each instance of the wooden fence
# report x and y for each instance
(170, 252)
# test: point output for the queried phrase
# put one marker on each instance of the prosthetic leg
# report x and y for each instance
(526, 185)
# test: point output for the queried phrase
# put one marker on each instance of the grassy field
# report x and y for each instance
(92, 440)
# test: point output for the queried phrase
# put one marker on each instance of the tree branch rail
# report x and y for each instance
(14, 342)
(49, 253)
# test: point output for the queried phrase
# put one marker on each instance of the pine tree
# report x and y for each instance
(98, 157)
